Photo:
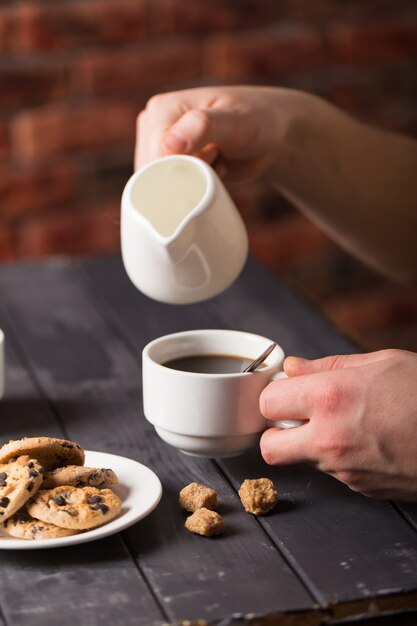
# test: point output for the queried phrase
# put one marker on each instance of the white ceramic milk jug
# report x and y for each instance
(183, 239)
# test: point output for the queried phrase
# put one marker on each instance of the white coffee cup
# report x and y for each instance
(2, 364)
(208, 415)
(182, 238)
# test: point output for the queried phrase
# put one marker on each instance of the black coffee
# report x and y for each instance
(210, 364)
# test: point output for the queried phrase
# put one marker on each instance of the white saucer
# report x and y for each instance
(140, 491)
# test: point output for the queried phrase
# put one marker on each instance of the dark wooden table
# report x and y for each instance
(74, 331)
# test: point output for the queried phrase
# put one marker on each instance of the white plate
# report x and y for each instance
(140, 491)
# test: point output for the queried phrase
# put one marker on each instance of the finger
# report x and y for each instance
(289, 398)
(160, 114)
(295, 366)
(209, 153)
(199, 127)
(280, 447)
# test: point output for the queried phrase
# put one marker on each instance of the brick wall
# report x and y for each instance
(74, 74)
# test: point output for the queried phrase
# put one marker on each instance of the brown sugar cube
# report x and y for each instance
(195, 496)
(258, 496)
(205, 522)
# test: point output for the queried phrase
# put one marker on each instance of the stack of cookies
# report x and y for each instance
(46, 492)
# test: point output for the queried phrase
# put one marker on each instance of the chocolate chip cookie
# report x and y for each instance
(23, 526)
(77, 508)
(48, 451)
(79, 476)
(19, 480)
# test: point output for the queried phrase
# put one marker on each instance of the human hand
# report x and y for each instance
(238, 130)
(362, 420)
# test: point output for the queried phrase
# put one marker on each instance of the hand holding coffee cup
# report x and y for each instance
(196, 394)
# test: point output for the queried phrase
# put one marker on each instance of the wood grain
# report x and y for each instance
(75, 331)
(92, 380)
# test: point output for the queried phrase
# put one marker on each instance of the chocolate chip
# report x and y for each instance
(67, 445)
(3, 479)
(94, 499)
(31, 464)
(100, 507)
(4, 502)
(13, 459)
(33, 474)
(29, 487)
(40, 470)
(59, 500)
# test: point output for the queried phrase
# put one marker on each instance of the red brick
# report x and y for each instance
(403, 337)
(344, 9)
(262, 53)
(386, 41)
(4, 142)
(43, 133)
(183, 16)
(26, 83)
(7, 243)
(79, 232)
(104, 175)
(392, 114)
(287, 242)
(374, 309)
(147, 66)
(77, 24)
(4, 28)
(27, 191)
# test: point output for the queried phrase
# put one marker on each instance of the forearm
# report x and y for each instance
(358, 183)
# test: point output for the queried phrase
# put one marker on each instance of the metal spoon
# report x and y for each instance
(252, 366)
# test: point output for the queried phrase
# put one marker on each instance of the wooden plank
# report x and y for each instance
(96, 583)
(409, 510)
(343, 546)
(348, 546)
(92, 379)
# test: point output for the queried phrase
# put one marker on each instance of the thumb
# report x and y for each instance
(295, 366)
(199, 127)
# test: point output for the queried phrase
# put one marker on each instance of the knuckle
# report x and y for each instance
(200, 120)
(332, 451)
(330, 398)
(391, 353)
(334, 362)
(350, 479)
(155, 102)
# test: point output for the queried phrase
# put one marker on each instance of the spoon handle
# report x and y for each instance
(252, 366)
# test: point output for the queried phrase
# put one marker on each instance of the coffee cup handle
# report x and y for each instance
(285, 423)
